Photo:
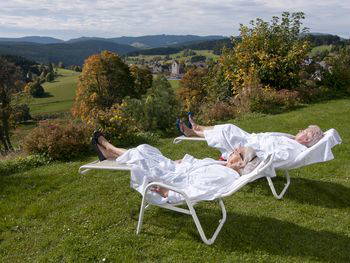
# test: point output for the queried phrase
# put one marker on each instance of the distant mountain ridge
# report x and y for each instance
(68, 53)
(33, 39)
(148, 41)
(75, 51)
(151, 41)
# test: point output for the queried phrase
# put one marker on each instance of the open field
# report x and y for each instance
(178, 56)
(320, 49)
(61, 94)
(52, 213)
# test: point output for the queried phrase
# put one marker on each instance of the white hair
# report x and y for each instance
(316, 135)
(251, 161)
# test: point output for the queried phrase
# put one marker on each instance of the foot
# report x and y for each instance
(95, 145)
(96, 135)
(190, 118)
(187, 131)
(193, 125)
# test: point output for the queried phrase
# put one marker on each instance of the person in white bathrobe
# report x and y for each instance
(227, 137)
(200, 179)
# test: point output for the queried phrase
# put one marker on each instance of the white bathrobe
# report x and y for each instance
(227, 137)
(204, 179)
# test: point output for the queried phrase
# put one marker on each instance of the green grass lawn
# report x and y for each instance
(61, 94)
(53, 214)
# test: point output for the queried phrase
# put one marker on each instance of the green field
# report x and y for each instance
(178, 56)
(53, 214)
(320, 49)
(61, 94)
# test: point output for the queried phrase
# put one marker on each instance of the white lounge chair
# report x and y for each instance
(320, 152)
(265, 167)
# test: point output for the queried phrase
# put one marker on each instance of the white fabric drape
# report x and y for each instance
(289, 154)
(200, 179)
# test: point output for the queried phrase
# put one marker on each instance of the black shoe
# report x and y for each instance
(94, 143)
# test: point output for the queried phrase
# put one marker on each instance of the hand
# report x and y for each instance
(160, 190)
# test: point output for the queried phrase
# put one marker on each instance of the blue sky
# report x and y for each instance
(67, 19)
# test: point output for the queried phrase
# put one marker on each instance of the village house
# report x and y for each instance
(177, 70)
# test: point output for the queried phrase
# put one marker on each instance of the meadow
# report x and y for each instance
(178, 56)
(54, 214)
(60, 94)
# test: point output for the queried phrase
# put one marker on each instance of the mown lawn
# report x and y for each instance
(61, 93)
(53, 214)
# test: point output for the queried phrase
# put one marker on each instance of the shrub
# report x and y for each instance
(118, 125)
(121, 128)
(273, 50)
(192, 92)
(50, 76)
(157, 110)
(221, 110)
(35, 89)
(217, 87)
(271, 101)
(336, 79)
(58, 140)
(142, 80)
(21, 113)
(160, 105)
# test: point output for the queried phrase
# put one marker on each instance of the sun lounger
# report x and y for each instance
(320, 152)
(265, 167)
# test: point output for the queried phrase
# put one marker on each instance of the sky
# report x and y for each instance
(66, 19)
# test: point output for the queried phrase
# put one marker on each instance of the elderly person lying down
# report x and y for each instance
(200, 179)
(228, 136)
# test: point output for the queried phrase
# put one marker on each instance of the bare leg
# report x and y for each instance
(187, 131)
(108, 147)
(107, 154)
(197, 127)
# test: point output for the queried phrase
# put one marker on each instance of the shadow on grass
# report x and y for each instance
(46, 95)
(308, 191)
(250, 234)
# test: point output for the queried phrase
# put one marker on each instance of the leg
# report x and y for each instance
(197, 127)
(106, 153)
(110, 149)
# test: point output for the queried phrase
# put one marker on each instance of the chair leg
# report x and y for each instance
(142, 211)
(272, 187)
(199, 226)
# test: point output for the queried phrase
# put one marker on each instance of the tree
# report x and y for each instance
(105, 80)
(160, 105)
(198, 58)
(50, 76)
(10, 84)
(142, 79)
(35, 89)
(192, 91)
(273, 52)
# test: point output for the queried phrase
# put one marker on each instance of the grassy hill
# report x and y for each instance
(61, 94)
(52, 213)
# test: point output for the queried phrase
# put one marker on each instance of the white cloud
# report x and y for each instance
(111, 18)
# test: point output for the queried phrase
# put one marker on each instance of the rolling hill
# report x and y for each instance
(68, 53)
(33, 39)
(151, 41)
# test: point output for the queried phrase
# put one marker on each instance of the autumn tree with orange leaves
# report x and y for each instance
(192, 89)
(105, 81)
